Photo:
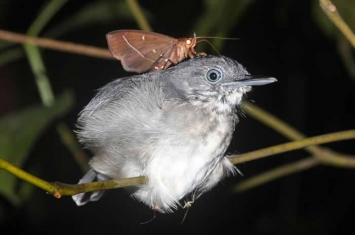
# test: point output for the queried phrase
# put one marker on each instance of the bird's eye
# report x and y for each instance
(213, 75)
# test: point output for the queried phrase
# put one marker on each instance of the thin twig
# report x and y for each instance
(72, 189)
(327, 157)
(56, 45)
(331, 11)
(323, 155)
(322, 139)
(336, 159)
(276, 124)
(26, 176)
(59, 189)
(276, 173)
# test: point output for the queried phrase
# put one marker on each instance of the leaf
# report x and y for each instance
(19, 131)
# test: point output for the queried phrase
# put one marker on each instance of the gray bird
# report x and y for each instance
(172, 126)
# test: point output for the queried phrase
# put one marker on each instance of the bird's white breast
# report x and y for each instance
(181, 162)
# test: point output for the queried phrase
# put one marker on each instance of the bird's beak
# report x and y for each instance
(251, 81)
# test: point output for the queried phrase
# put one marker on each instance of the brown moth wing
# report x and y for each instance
(140, 51)
(166, 59)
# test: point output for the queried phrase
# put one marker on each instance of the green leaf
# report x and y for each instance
(19, 131)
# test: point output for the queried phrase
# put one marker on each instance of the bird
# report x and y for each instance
(172, 126)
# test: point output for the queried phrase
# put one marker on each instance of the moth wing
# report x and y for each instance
(139, 51)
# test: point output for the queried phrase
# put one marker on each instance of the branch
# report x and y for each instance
(291, 133)
(275, 173)
(72, 47)
(277, 125)
(56, 45)
(324, 156)
(331, 11)
(322, 139)
(60, 189)
(327, 157)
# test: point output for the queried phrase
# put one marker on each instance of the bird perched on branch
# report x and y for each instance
(172, 126)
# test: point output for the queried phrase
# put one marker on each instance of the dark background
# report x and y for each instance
(314, 93)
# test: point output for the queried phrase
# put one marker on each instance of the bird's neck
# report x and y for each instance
(220, 105)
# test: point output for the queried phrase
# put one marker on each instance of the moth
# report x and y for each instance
(141, 51)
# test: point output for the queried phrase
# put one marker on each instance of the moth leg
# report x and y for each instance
(162, 63)
(193, 53)
(188, 204)
(167, 64)
(201, 54)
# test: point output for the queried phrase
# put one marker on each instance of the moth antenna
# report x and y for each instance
(223, 38)
(205, 40)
